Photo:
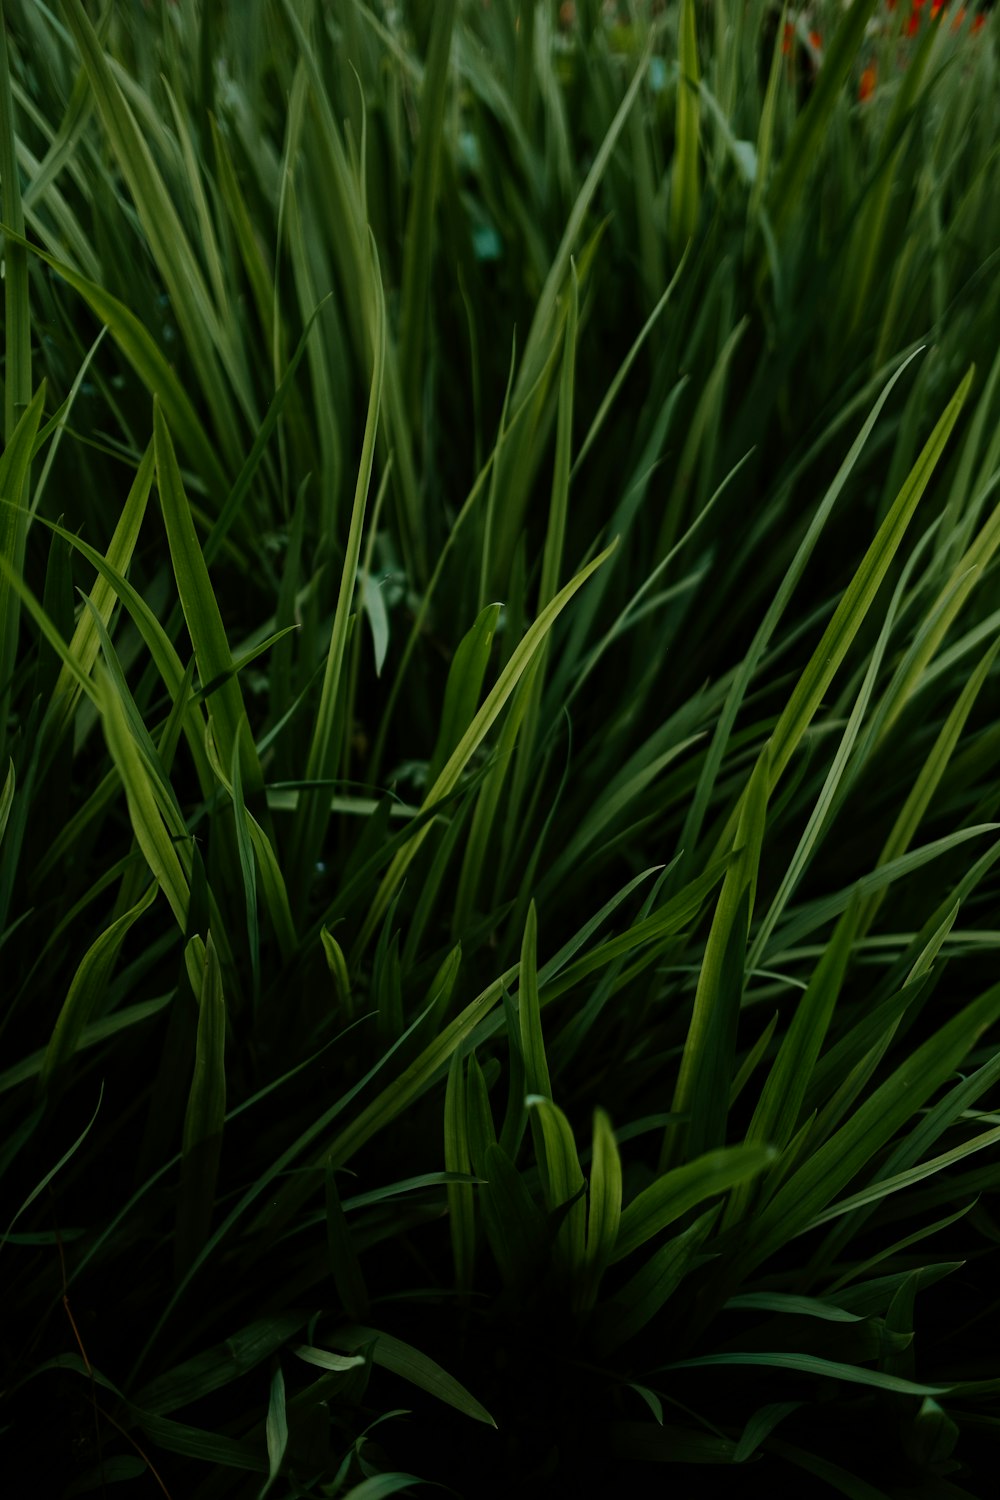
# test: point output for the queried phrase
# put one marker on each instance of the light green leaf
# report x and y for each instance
(562, 1180)
(673, 1194)
(464, 685)
(275, 1430)
(416, 1367)
(327, 1360)
(151, 367)
(88, 988)
(605, 1204)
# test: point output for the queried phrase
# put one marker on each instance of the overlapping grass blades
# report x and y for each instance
(552, 691)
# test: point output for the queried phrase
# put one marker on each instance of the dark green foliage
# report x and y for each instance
(498, 797)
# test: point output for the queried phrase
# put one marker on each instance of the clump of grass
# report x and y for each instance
(498, 808)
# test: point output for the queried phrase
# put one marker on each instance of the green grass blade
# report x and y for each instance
(805, 146)
(276, 1430)
(701, 1092)
(416, 1367)
(523, 655)
(152, 368)
(647, 1291)
(15, 462)
(171, 249)
(921, 794)
(685, 187)
(463, 688)
(324, 746)
(870, 1127)
(604, 1207)
(159, 849)
(673, 1194)
(85, 643)
(562, 1180)
(419, 238)
(17, 307)
(861, 591)
(88, 988)
(457, 1158)
(203, 617)
(206, 1106)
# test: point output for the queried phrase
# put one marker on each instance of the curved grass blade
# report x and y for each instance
(416, 1367)
(152, 368)
(810, 1364)
(522, 657)
(685, 190)
(860, 592)
(604, 1207)
(673, 1194)
(88, 988)
(206, 1106)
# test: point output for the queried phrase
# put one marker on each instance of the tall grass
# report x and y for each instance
(498, 806)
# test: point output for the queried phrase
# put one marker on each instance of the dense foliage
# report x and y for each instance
(499, 807)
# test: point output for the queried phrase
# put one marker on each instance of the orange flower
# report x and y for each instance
(978, 24)
(866, 85)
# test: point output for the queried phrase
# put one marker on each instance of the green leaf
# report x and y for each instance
(412, 1365)
(779, 1109)
(14, 465)
(760, 1426)
(794, 1306)
(536, 1071)
(326, 1359)
(85, 643)
(203, 616)
(522, 656)
(236, 1356)
(683, 1188)
(651, 1443)
(149, 364)
(872, 1124)
(7, 797)
(378, 1486)
(275, 1430)
(922, 792)
(515, 1224)
(337, 964)
(805, 147)
(809, 1364)
(604, 1208)
(860, 592)
(206, 1106)
(685, 190)
(88, 988)
(161, 853)
(195, 1442)
(702, 1090)
(203, 330)
(418, 240)
(66, 1156)
(465, 683)
(90, 1036)
(324, 746)
(458, 1158)
(562, 1180)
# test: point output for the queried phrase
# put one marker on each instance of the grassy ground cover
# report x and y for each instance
(498, 798)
